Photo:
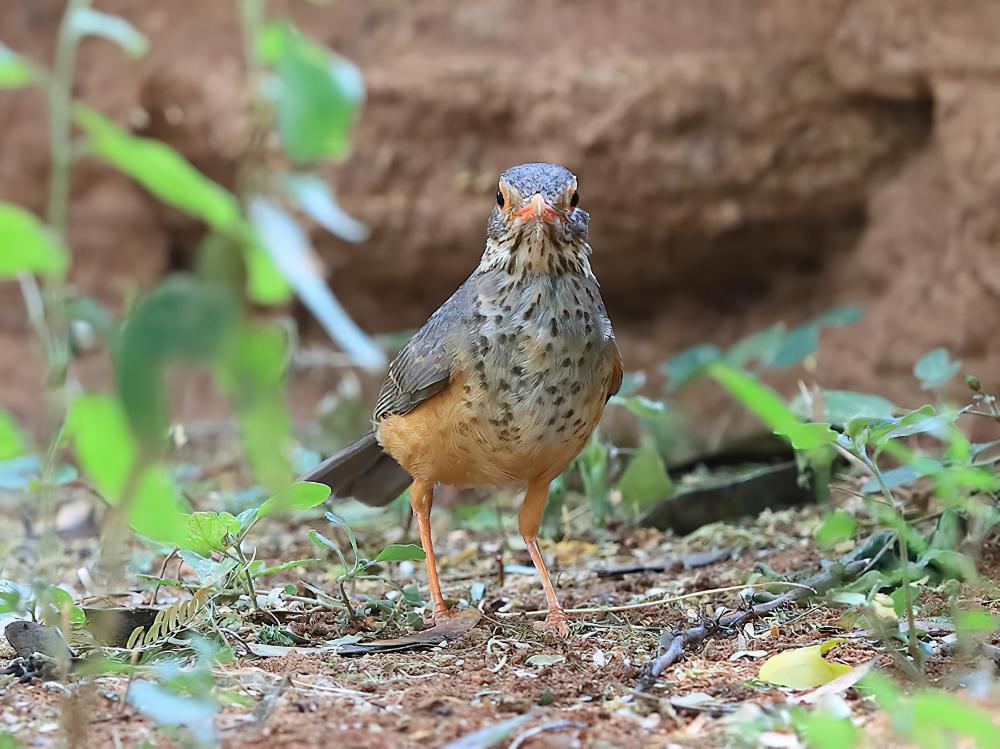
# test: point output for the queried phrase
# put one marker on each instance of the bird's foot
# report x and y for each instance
(556, 623)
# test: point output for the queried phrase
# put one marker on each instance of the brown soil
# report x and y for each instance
(743, 163)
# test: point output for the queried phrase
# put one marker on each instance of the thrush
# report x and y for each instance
(505, 382)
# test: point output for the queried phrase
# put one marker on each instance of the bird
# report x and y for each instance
(505, 383)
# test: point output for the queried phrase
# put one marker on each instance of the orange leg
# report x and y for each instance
(421, 499)
(529, 521)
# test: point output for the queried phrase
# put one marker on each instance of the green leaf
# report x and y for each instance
(84, 20)
(251, 371)
(298, 496)
(208, 532)
(802, 341)
(645, 480)
(803, 668)
(183, 319)
(265, 283)
(292, 253)
(822, 729)
(640, 405)
(689, 364)
(765, 403)
(162, 171)
(935, 368)
(840, 406)
(759, 347)
(15, 72)
(938, 716)
(171, 708)
(400, 553)
(12, 442)
(317, 93)
(106, 452)
(837, 526)
(27, 245)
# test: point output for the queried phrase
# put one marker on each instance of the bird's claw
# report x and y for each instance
(556, 623)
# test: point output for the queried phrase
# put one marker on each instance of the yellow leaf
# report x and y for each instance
(803, 668)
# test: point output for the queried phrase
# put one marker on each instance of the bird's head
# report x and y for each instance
(537, 225)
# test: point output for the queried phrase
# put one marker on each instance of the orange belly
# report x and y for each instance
(443, 441)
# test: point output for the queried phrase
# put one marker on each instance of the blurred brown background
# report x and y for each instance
(744, 162)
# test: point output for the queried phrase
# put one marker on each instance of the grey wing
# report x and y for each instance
(423, 366)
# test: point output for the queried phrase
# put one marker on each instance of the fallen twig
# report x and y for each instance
(834, 575)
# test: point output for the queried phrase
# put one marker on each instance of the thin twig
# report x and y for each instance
(835, 575)
(658, 602)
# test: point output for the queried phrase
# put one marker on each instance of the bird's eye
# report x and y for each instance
(575, 200)
(500, 198)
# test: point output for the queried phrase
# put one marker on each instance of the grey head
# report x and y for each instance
(541, 195)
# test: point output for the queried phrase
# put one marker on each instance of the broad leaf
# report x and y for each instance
(251, 371)
(299, 496)
(840, 406)
(15, 72)
(400, 553)
(208, 531)
(168, 707)
(766, 404)
(935, 368)
(689, 364)
(317, 93)
(163, 171)
(645, 480)
(12, 442)
(837, 526)
(183, 319)
(291, 251)
(27, 245)
(803, 668)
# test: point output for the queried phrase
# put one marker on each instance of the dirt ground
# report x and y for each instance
(583, 691)
(744, 163)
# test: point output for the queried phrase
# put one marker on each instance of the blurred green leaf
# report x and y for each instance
(84, 20)
(12, 442)
(803, 340)
(265, 283)
(27, 245)
(106, 452)
(640, 405)
(803, 668)
(251, 371)
(162, 171)
(765, 403)
(840, 406)
(314, 197)
(183, 319)
(935, 368)
(837, 526)
(317, 93)
(689, 364)
(592, 462)
(400, 553)
(822, 729)
(645, 480)
(298, 496)
(167, 707)
(939, 717)
(293, 254)
(15, 72)
(208, 531)
(760, 347)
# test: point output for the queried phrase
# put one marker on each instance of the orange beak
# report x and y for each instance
(537, 210)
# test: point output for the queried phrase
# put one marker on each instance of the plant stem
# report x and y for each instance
(46, 306)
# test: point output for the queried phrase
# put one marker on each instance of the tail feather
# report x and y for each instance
(364, 471)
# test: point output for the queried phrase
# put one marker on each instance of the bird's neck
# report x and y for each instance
(536, 252)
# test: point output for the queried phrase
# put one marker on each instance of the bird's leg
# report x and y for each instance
(421, 499)
(529, 520)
